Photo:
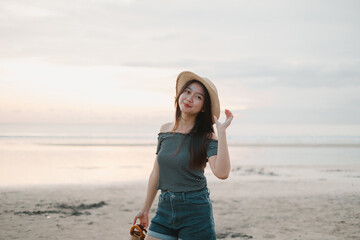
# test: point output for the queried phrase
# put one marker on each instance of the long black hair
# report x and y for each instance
(202, 130)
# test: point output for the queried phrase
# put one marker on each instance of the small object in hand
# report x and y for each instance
(137, 232)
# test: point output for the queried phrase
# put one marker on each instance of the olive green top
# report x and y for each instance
(174, 172)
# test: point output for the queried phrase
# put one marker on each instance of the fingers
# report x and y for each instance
(144, 224)
(228, 113)
(229, 117)
(138, 216)
(144, 221)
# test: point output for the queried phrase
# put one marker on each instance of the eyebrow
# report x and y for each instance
(194, 91)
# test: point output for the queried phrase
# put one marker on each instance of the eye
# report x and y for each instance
(199, 97)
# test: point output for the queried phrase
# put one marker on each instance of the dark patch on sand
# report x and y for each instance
(252, 171)
(353, 176)
(81, 206)
(30, 213)
(338, 170)
(232, 235)
(69, 210)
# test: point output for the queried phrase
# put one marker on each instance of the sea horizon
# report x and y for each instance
(119, 135)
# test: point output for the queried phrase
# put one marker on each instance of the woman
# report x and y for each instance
(184, 148)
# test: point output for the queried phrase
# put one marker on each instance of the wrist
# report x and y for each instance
(145, 211)
(221, 130)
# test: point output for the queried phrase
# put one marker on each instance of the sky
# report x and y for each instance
(275, 63)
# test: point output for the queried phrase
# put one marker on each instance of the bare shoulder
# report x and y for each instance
(213, 136)
(167, 127)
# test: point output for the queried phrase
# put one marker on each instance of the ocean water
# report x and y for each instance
(102, 154)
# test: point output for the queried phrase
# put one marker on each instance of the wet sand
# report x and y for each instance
(265, 207)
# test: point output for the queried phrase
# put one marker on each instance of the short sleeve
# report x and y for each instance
(212, 148)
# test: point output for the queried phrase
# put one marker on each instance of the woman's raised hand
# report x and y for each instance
(224, 125)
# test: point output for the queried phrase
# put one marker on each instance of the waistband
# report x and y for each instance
(183, 195)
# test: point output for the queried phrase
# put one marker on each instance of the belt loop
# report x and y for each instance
(165, 193)
(184, 196)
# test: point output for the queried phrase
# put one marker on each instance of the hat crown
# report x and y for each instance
(211, 84)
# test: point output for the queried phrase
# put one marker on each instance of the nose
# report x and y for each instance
(189, 98)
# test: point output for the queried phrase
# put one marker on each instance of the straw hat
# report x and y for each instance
(186, 76)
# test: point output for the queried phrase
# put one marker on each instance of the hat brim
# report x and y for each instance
(186, 76)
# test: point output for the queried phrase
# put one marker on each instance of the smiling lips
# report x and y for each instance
(186, 105)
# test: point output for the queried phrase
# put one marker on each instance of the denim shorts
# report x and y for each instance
(186, 216)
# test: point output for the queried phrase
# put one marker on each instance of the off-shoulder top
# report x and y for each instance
(174, 172)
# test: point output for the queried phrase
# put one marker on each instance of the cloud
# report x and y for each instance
(261, 54)
(315, 74)
(111, 32)
(268, 74)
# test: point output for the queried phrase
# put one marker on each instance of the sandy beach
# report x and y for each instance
(245, 207)
(76, 192)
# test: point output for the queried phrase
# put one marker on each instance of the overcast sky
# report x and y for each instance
(116, 61)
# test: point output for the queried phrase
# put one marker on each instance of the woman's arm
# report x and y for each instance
(143, 215)
(220, 163)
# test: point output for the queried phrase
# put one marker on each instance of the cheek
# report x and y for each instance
(181, 98)
(199, 103)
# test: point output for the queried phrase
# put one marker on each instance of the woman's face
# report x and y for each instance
(191, 100)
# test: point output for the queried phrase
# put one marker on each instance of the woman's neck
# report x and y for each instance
(186, 123)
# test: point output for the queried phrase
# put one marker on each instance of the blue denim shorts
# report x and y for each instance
(184, 215)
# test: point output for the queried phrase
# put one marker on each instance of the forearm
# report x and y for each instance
(151, 192)
(222, 164)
